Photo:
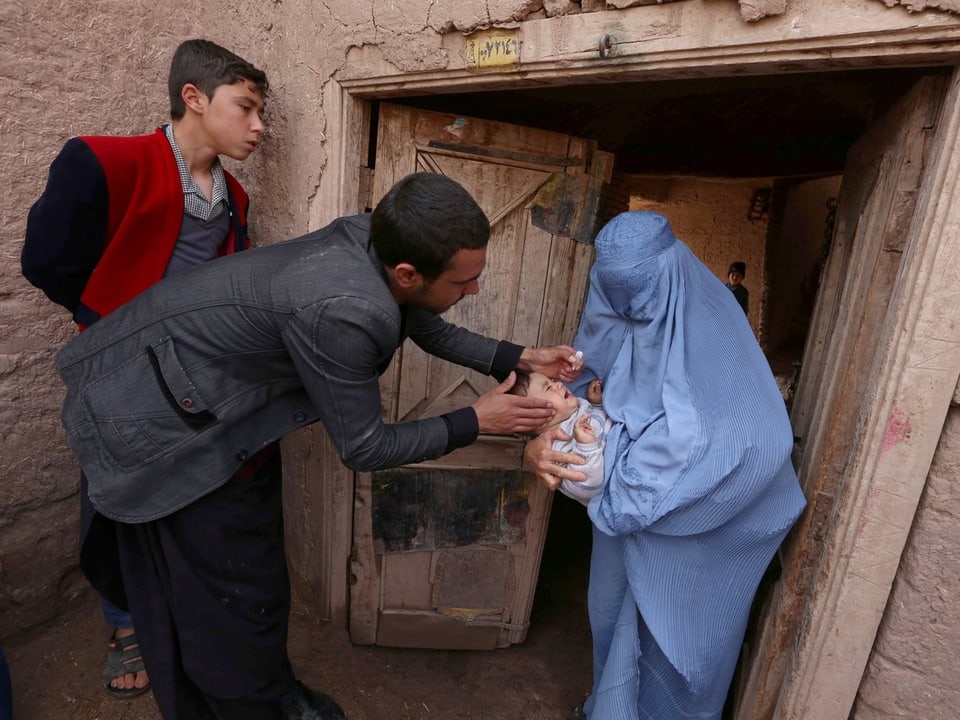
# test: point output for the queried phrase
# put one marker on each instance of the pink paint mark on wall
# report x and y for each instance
(898, 430)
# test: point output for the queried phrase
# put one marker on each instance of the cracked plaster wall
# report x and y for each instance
(921, 5)
(753, 10)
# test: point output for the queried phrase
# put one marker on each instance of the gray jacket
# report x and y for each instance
(168, 395)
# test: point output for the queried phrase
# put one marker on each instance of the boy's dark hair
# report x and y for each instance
(207, 65)
(738, 266)
(424, 220)
(522, 386)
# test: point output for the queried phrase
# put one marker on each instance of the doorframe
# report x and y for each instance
(918, 370)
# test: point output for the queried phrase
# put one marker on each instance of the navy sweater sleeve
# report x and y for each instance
(67, 226)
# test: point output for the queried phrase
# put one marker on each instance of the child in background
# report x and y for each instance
(583, 420)
(735, 275)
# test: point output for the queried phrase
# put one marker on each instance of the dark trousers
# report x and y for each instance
(210, 597)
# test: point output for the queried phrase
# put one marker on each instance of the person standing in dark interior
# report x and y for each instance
(735, 275)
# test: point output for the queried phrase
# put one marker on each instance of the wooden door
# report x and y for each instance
(446, 553)
(878, 197)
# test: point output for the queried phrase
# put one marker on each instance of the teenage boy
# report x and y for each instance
(170, 395)
(120, 213)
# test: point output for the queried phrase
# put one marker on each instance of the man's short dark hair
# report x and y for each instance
(424, 220)
(207, 65)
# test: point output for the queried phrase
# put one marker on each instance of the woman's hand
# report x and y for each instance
(542, 460)
(556, 361)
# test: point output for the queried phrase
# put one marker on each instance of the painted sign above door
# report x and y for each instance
(492, 48)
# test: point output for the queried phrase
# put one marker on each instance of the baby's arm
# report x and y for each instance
(583, 431)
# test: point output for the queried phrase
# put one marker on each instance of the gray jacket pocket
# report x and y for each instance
(146, 407)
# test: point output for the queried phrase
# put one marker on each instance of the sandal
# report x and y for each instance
(123, 657)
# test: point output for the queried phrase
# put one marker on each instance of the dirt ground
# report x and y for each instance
(56, 670)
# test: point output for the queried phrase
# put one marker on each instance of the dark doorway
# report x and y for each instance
(795, 128)
(784, 125)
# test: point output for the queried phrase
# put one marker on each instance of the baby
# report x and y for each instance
(584, 420)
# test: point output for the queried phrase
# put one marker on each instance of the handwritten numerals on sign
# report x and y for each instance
(492, 49)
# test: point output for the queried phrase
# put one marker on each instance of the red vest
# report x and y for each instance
(143, 225)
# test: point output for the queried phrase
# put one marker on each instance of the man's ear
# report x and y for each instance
(407, 276)
(193, 97)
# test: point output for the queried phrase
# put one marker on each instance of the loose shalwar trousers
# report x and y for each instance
(209, 593)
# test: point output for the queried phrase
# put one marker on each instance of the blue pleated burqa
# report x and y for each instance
(700, 489)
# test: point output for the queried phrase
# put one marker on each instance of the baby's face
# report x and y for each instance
(555, 392)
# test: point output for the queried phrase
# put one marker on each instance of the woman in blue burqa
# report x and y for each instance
(699, 488)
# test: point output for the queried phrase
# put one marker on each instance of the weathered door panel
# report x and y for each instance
(881, 184)
(446, 553)
(532, 279)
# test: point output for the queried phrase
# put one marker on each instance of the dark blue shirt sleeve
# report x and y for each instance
(462, 424)
(67, 226)
(505, 360)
